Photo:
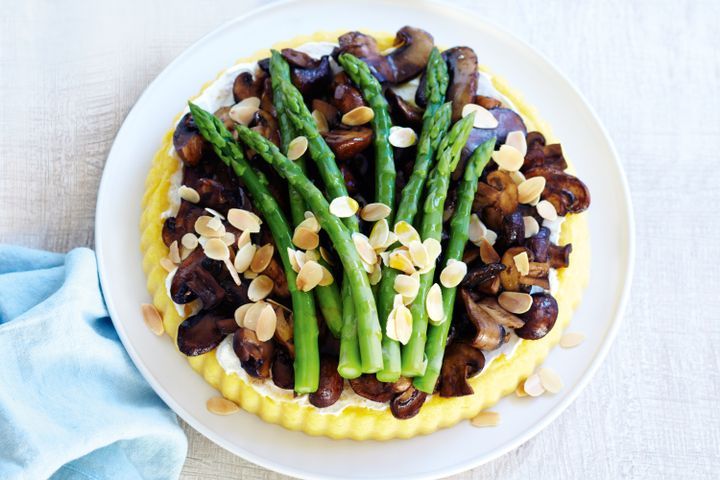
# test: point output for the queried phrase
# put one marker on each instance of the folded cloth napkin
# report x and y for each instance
(72, 405)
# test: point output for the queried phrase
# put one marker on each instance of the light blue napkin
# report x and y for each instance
(72, 405)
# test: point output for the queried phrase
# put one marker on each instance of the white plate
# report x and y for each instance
(442, 453)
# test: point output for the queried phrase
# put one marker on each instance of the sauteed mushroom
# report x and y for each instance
(487, 102)
(463, 69)
(511, 232)
(329, 112)
(489, 334)
(559, 256)
(346, 143)
(540, 319)
(175, 227)
(266, 125)
(275, 271)
(199, 334)
(481, 274)
(368, 386)
(345, 96)
(497, 197)
(498, 314)
(226, 325)
(330, 386)
(284, 331)
(567, 193)
(407, 404)
(461, 362)
(308, 74)
(283, 374)
(539, 244)
(192, 280)
(189, 144)
(255, 356)
(511, 278)
(541, 155)
(508, 121)
(246, 85)
(403, 113)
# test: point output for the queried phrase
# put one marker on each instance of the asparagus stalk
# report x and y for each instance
(328, 297)
(357, 280)
(413, 362)
(307, 356)
(437, 334)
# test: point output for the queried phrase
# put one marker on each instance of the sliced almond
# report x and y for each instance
(486, 419)
(215, 213)
(379, 235)
(515, 302)
(292, 257)
(516, 139)
(358, 116)
(397, 300)
(546, 210)
(418, 254)
(325, 255)
(297, 147)
(249, 274)
(327, 278)
(189, 241)
(312, 255)
(400, 260)
(311, 223)
(551, 381)
(517, 177)
(167, 264)
(243, 114)
(376, 275)
(320, 121)
(531, 189)
(533, 386)
(216, 249)
(252, 315)
(266, 323)
(491, 237)
(233, 272)
(433, 249)
(372, 212)
(476, 229)
(403, 324)
(406, 285)
(244, 257)
(368, 267)
(189, 194)
(240, 313)
(571, 339)
(174, 252)
(520, 390)
(434, 304)
(305, 238)
(152, 318)
(210, 227)
(532, 227)
(244, 220)
(483, 117)
(260, 287)
(262, 258)
(453, 273)
(250, 102)
(488, 254)
(364, 248)
(402, 137)
(522, 263)
(243, 239)
(310, 276)
(343, 207)
(228, 238)
(508, 158)
(406, 233)
(221, 406)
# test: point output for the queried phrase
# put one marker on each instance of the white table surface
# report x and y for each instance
(70, 71)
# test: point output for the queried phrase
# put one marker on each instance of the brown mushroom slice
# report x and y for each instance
(187, 141)
(511, 278)
(330, 386)
(499, 314)
(192, 280)
(567, 193)
(534, 140)
(550, 156)
(223, 113)
(266, 98)
(329, 112)
(489, 335)
(559, 256)
(348, 143)
(403, 114)
(266, 125)
(284, 331)
(226, 325)
(308, 74)
(368, 386)
(489, 287)
(246, 85)
(365, 47)
(345, 96)
(283, 373)
(511, 233)
(508, 121)
(540, 319)
(463, 69)
(506, 198)
(487, 102)
(199, 334)
(461, 362)
(408, 403)
(482, 273)
(255, 356)
(215, 195)
(539, 244)
(183, 222)
(276, 272)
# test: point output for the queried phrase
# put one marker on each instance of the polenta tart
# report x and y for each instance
(363, 236)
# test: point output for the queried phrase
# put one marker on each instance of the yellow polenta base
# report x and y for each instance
(359, 423)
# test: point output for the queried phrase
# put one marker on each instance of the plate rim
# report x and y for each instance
(528, 433)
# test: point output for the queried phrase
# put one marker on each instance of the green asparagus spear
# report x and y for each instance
(436, 121)
(413, 362)
(307, 356)
(357, 280)
(328, 297)
(437, 334)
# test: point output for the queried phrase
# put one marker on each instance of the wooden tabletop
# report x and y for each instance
(70, 71)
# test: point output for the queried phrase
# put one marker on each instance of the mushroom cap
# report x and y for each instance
(368, 386)
(489, 335)
(247, 85)
(463, 70)
(199, 334)
(497, 197)
(408, 403)
(461, 362)
(193, 280)
(345, 96)
(567, 193)
(311, 76)
(184, 222)
(540, 319)
(255, 356)
(403, 113)
(480, 273)
(283, 373)
(330, 386)
(347, 143)
(511, 232)
(189, 144)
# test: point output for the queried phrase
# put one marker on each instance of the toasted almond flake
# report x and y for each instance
(311, 223)
(453, 273)
(250, 102)
(532, 227)
(403, 324)
(400, 260)
(253, 314)
(508, 158)
(517, 177)
(249, 274)
(216, 249)
(379, 235)
(244, 220)
(279, 306)
(244, 257)
(551, 381)
(434, 304)
(308, 214)
(483, 117)
(184, 253)
(397, 300)
(406, 233)
(242, 114)
(260, 287)
(571, 339)
(476, 229)
(228, 238)
(515, 302)
(320, 121)
(358, 116)
(312, 255)
(210, 227)
(546, 210)
(327, 278)
(262, 258)
(215, 213)
(491, 237)
(522, 263)
(174, 252)
(516, 139)
(167, 264)
(406, 285)
(189, 194)
(433, 249)
(486, 419)
(385, 256)
(418, 254)
(326, 255)
(300, 258)
(426, 268)
(221, 406)
(343, 207)
(520, 390)
(372, 212)
(390, 326)
(533, 385)
(267, 321)
(391, 240)
(243, 239)
(376, 275)
(240, 313)
(364, 248)
(488, 254)
(305, 238)
(402, 137)
(293, 260)
(531, 189)
(297, 147)
(309, 276)
(152, 318)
